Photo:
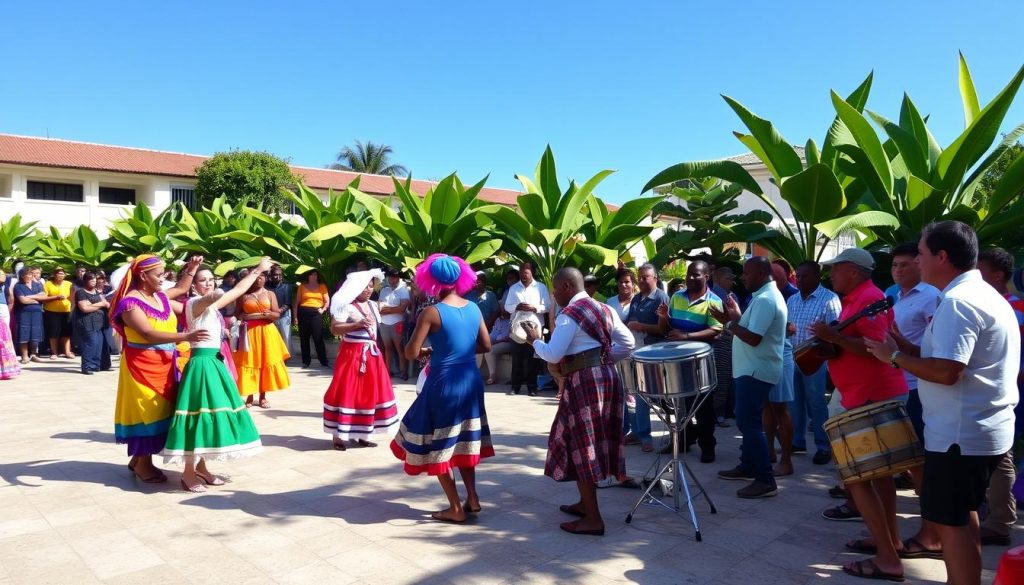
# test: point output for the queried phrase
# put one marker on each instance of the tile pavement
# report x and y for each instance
(303, 513)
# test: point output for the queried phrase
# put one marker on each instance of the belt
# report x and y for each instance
(580, 361)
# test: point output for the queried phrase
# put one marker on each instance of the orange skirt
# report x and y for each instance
(261, 368)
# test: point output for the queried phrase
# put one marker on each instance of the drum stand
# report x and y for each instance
(676, 480)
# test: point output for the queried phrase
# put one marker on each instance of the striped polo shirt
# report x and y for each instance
(692, 316)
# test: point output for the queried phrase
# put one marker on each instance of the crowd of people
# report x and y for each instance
(948, 349)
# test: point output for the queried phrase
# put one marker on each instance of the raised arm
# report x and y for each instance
(184, 284)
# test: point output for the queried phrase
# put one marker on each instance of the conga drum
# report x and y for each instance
(874, 441)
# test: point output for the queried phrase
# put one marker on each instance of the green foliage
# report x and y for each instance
(138, 232)
(18, 239)
(706, 213)
(555, 228)
(244, 177)
(884, 186)
(447, 218)
(370, 158)
(80, 246)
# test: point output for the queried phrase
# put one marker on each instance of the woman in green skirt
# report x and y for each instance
(210, 421)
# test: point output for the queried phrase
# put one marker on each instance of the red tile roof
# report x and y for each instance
(67, 154)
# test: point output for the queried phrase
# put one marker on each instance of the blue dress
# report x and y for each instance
(446, 426)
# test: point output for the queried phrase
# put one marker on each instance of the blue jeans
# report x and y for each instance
(916, 413)
(809, 394)
(751, 394)
(284, 327)
(95, 351)
(640, 422)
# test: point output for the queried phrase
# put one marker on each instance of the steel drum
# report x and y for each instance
(674, 369)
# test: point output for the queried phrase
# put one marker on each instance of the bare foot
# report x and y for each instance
(590, 527)
(450, 516)
(472, 505)
(782, 469)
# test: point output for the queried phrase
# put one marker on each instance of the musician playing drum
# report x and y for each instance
(860, 380)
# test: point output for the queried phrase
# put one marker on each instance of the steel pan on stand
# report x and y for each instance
(667, 376)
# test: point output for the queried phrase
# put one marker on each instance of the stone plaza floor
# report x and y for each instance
(304, 513)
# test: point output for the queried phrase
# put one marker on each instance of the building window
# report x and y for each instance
(184, 195)
(55, 191)
(115, 196)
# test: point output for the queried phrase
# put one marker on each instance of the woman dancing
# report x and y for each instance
(261, 353)
(446, 426)
(360, 400)
(210, 421)
(143, 316)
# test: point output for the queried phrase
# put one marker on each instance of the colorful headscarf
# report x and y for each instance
(141, 263)
(441, 271)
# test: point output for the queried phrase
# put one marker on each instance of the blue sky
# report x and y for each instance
(482, 87)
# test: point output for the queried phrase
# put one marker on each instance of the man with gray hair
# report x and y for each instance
(644, 320)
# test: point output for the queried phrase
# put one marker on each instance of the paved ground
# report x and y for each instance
(302, 513)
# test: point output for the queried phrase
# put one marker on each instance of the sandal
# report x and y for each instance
(159, 477)
(210, 480)
(571, 528)
(196, 489)
(842, 513)
(913, 549)
(339, 446)
(365, 443)
(861, 546)
(857, 569)
(263, 403)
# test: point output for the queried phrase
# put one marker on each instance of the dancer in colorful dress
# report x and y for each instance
(585, 444)
(446, 426)
(143, 316)
(9, 367)
(210, 422)
(261, 352)
(360, 400)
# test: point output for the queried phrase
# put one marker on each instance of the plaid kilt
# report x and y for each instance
(585, 442)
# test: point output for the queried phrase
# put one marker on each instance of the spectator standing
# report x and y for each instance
(645, 321)
(91, 321)
(57, 314)
(285, 293)
(309, 306)
(394, 301)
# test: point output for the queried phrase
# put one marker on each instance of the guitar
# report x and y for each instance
(813, 353)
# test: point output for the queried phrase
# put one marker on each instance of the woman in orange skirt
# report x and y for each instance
(261, 352)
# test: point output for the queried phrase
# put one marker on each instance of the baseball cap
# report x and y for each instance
(856, 256)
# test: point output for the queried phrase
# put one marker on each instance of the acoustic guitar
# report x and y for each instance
(813, 353)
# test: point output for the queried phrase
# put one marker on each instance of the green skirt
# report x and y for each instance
(210, 420)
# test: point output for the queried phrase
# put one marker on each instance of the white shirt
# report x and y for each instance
(975, 326)
(569, 338)
(393, 297)
(210, 321)
(352, 313)
(913, 311)
(536, 294)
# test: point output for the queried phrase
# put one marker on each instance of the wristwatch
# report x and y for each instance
(892, 359)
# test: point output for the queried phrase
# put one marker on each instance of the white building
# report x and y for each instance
(64, 184)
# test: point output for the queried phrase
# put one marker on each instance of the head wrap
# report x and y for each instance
(355, 283)
(441, 271)
(123, 278)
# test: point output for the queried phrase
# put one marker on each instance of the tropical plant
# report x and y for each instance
(556, 229)
(18, 238)
(80, 246)
(220, 233)
(369, 158)
(884, 189)
(321, 238)
(244, 177)
(139, 232)
(446, 219)
(706, 221)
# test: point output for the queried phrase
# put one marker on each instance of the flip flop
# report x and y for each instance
(859, 546)
(211, 479)
(570, 510)
(158, 478)
(922, 551)
(439, 518)
(857, 570)
(472, 510)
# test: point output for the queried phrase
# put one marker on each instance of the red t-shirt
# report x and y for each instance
(863, 379)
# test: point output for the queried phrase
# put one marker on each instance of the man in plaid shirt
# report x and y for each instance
(814, 303)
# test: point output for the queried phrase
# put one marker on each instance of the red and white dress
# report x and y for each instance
(360, 401)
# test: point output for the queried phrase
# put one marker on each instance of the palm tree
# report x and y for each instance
(369, 158)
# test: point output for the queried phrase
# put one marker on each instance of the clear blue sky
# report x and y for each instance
(481, 87)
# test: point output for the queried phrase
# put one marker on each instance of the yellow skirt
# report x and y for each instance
(262, 368)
